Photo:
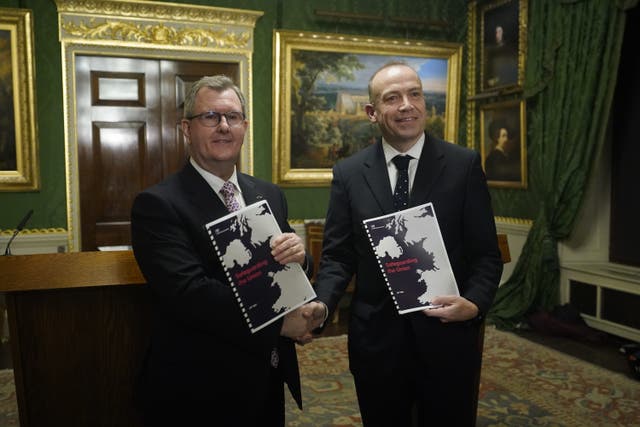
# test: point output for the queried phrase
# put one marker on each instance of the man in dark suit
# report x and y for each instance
(204, 367)
(418, 368)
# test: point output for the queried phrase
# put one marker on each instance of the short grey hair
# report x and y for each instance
(218, 83)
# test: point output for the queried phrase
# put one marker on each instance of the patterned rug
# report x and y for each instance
(8, 404)
(523, 384)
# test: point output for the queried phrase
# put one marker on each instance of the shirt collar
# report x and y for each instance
(415, 151)
(215, 182)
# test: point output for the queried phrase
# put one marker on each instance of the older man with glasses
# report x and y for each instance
(203, 366)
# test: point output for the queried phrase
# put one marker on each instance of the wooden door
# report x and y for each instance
(176, 78)
(128, 115)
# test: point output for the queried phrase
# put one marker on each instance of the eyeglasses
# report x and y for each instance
(212, 118)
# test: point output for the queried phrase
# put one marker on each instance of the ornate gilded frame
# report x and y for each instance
(511, 17)
(18, 141)
(476, 93)
(510, 117)
(369, 52)
(148, 29)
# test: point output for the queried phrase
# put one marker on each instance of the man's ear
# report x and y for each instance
(371, 112)
(186, 130)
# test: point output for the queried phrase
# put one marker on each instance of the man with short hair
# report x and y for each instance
(204, 366)
(418, 368)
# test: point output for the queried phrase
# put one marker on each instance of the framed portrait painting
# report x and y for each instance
(18, 156)
(503, 144)
(503, 25)
(321, 90)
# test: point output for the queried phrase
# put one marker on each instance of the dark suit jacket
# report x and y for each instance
(451, 178)
(203, 362)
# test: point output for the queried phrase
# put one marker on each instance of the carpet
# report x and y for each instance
(522, 384)
(8, 403)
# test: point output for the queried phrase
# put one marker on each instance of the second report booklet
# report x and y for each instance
(412, 257)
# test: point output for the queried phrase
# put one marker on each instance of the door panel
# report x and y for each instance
(119, 157)
(177, 78)
(118, 136)
(129, 135)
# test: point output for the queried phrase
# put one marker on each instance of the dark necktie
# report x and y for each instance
(401, 192)
(228, 191)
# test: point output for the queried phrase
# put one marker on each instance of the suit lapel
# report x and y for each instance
(377, 177)
(206, 200)
(249, 191)
(201, 194)
(430, 167)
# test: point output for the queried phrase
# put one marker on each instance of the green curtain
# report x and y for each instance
(572, 64)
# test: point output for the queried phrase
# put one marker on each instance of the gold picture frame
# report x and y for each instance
(503, 145)
(320, 88)
(503, 43)
(18, 154)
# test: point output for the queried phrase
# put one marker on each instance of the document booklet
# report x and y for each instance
(412, 257)
(265, 289)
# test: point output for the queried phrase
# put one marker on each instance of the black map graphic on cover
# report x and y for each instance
(265, 289)
(412, 257)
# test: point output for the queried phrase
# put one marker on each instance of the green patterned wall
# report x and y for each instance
(50, 202)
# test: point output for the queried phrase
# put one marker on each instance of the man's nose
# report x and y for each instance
(406, 103)
(223, 126)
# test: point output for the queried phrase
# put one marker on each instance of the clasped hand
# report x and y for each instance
(299, 324)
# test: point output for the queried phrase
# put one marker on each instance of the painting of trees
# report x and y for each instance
(313, 112)
(321, 90)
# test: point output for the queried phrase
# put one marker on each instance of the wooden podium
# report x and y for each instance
(79, 325)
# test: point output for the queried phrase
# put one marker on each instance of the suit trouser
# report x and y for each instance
(432, 384)
(200, 409)
(274, 411)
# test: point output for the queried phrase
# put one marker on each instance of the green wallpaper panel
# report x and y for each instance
(50, 202)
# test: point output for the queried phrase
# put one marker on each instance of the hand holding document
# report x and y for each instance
(265, 289)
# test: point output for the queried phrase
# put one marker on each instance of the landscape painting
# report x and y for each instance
(322, 91)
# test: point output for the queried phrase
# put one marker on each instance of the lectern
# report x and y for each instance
(79, 325)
